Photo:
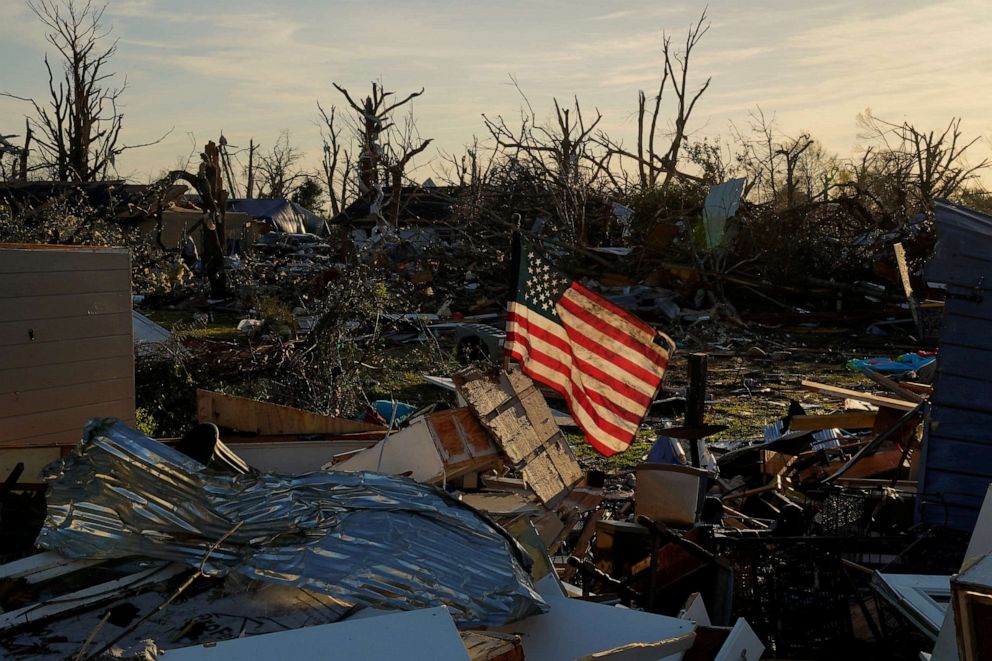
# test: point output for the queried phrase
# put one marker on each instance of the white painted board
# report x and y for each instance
(574, 629)
(946, 648)
(741, 645)
(428, 634)
(409, 450)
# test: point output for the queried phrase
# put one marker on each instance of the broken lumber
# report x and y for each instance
(868, 398)
(845, 420)
(91, 596)
(892, 386)
(514, 411)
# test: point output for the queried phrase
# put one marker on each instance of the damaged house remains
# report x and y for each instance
(640, 371)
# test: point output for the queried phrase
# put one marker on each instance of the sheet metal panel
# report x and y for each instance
(363, 538)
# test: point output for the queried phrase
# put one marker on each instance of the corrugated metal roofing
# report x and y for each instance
(957, 458)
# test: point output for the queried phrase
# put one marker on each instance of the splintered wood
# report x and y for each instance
(516, 414)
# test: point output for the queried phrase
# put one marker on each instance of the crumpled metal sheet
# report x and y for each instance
(365, 538)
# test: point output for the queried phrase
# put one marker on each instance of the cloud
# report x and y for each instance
(253, 69)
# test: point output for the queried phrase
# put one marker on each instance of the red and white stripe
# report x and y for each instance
(603, 360)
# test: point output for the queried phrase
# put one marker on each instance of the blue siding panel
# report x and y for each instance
(957, 454)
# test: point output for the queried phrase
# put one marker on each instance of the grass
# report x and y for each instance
(401, 378)
(184, 324)
(745, 394)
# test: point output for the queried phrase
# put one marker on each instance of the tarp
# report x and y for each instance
(364, 538)
(286, 216)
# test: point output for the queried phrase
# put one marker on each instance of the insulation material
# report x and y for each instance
(363, 538)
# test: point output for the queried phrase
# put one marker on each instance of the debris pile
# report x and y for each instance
(298, 501)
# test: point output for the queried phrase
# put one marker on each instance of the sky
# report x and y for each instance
(252, 69)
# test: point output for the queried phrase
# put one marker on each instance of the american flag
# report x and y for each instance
(605, 362)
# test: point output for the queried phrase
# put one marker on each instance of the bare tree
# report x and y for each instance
(792, 151)
(7, 148)
(385, 150)
(336, 162)
(924, 165)
(651, 161)
(78, 130)
(277, 172)
(784, 170)
(209, 184)
(561, 157)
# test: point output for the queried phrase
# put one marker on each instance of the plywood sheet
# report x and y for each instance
(517, 415)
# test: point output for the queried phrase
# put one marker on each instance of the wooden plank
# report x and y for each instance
(959, 456)
(62, 397)
(845, 393)
(919, 388)
(907, 286)
(883, 461)
(46, 258)
(516, 437)
(68, 305)
(962, 393)
(564, 461)
(481, 393)
(962, 308)
(90, 596)
(64, 328)
(66, 351)
(37, 377)
(17, 428)
(845, 420)
(62, 438)
(893, 387)
(249, 415)
(43, 566)
(50, 353)
(581, 547)
(492, 646)
(965, 361)
(52, 282)
(543, 478)
(949, 422)
(776, 463)
(517, 415)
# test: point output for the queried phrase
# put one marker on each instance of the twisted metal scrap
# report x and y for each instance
(364, 538)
